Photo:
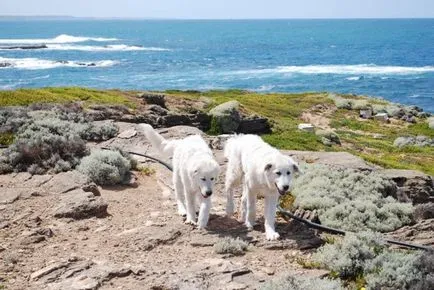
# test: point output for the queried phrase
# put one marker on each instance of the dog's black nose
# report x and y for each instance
(208, 193)
(285, 187)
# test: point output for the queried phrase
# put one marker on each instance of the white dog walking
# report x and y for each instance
(194, 172)
(265, 170)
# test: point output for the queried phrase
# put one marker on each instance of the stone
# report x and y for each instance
(413, 185)
(424, 211)
(395, 111)
(419, 141)
(127, 134)
(254, 125)
(431, 122)
(66, 181)
(160, 111)
(306, 127)
(154, 99)
(79, 204)
(227, 116)
(47, 270)
(383, 117)
(328, 137)
(365, 113)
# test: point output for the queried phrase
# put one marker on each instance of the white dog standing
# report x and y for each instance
(265, 170)
(194, 172)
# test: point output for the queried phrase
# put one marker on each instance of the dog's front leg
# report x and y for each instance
(205, 208)
(179, 194)
(190, 203)
(251, 208)
(270, 215)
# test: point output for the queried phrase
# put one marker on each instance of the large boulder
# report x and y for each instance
(419, 141)
(154, 99)
(227, 116)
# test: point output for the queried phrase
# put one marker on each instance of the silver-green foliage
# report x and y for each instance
(48, 140)
(364, 255)
(106, 167)
(351, 200)
(292, 282)
(230, 246)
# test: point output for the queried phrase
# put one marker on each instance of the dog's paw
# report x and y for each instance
(249, 226)
(272, 236)
(190, 222)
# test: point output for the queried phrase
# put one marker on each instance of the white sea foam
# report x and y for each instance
(368, 69)
(36, 63)
(114, 47)
(354, 78)
(63, 38)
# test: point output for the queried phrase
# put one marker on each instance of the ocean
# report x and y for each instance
(392, 59)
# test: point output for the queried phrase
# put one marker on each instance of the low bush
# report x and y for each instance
(292, 282)
(364, 257)
(106, 167)
(230, 246)
(44, 141)
(351, 200)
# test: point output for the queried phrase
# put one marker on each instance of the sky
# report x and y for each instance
(222, 9)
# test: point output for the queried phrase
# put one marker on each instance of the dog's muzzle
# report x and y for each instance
(284, 191)
(207, 194)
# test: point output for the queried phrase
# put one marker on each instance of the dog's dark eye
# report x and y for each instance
(203, 179)
(212, 178)
(288, 172)
(279, 173)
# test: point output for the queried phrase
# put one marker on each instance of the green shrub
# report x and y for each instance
(290, 282)
(106, 167)
(230, 246)
(351, 200)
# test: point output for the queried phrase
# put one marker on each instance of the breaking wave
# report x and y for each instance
(63, 38)
(36, 63)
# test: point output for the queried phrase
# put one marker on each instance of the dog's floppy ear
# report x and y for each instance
(297, 168)
(268, 167)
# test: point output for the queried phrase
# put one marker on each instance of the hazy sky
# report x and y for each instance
(222, 8)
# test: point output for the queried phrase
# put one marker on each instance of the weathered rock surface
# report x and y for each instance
(227, 116)
(79, 204)
(419, 141)
(412, 185)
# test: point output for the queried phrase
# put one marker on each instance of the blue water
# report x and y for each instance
(393, 59)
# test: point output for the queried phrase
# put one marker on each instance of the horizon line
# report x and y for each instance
(71, 17)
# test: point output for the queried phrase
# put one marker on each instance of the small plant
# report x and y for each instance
(106, 167)
(6, 139)
(215, 128)
(146, 170)
(230, 246)
(292, 282)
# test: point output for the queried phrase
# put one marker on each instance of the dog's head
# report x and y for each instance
(279, 172)
(204, 174)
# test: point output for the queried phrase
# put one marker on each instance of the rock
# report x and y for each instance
(227, 116)
(383, 117)
(127, 134)
(334, 159)
(328, 137)
(306, 127)
(154, 99)
(254, 125)
(395, 111)
(424, 211)
(160, 111)
(419, 141)
(409, 119)
(412, 185)
(48, 269)
(431, 122)
(10, 195)
(79, 204)
(67, 181)
(5, 64)
(423, 115)
(199, 120)
(366, 113)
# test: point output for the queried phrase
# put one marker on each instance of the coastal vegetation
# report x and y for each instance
(370, 139)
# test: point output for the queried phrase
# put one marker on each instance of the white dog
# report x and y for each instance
(265, 170)
(194, 173)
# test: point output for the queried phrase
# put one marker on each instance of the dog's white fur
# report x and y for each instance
(265, 170)
(195, 172)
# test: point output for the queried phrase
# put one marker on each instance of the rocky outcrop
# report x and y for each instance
(419, 141)
(412, 185)
(227, 116)
(154, 99)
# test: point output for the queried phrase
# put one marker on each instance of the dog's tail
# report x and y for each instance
(163, 146)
